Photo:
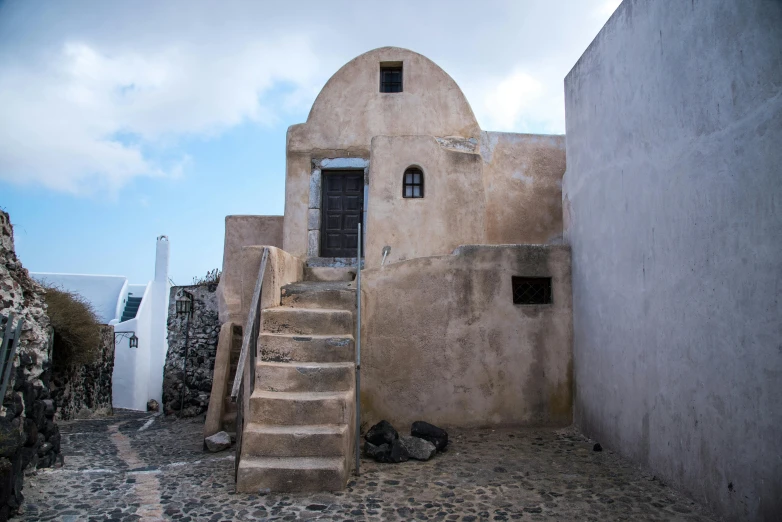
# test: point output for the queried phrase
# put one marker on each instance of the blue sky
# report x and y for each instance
(122, 121)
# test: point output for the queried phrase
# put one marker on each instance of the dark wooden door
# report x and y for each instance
(342, 202)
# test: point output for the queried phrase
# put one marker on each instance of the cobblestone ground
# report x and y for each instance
(135, 466)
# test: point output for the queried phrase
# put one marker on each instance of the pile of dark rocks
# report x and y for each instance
(383, 443)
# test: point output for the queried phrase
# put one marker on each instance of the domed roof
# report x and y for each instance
(350, 108)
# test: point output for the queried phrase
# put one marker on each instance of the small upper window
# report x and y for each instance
(391, 77)
(413, 183)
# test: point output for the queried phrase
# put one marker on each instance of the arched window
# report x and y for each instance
(413, 186)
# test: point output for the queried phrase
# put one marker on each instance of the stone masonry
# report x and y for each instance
(86, 391)
(196, 337)
(29, 438)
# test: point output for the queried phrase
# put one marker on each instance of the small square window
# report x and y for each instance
(531, 290)
(391, 77)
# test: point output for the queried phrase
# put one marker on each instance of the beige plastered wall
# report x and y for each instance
(450, 214)
(350, 111)
(281, 269)
(522, 177)
(443, 342)
(241, 231)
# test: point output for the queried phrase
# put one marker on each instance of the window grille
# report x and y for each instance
(531, 290)
(391, 78)
(413, 183)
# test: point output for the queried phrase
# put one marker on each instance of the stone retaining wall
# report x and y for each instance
(29, 438)
(198, 338)
(86, 391)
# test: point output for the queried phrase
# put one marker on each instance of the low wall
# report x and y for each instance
(242, 231)
(195, 337)
(86, 391)
(443, 342)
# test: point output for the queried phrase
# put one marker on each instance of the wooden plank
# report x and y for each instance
(252, 317)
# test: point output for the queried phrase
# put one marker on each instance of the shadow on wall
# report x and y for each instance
(85, 391)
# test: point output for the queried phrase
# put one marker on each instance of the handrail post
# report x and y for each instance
(358, 354)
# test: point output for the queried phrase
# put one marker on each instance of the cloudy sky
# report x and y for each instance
(121, 121)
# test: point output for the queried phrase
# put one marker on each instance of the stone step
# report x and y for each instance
(301, 408)
(329, 440)
(322, 321)
(307, 348)
(297, 474)
(328, 273)
(309, 294)
(304, 376)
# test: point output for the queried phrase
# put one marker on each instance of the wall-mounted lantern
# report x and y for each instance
(131, 336)
(184, 303)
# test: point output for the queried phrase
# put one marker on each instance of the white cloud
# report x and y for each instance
(92, 95)
(80, 120)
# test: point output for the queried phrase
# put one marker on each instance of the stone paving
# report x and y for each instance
(137, 466)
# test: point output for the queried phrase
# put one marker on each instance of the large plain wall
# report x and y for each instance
(673, 208)
(443, 342)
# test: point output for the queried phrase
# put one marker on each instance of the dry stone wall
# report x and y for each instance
(195, 336)
(29, 438)
(86, 391)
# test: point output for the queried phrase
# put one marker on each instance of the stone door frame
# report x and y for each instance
(314, 208)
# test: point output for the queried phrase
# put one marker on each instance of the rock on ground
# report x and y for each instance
(430, 432)
(393, 453)
(218, 442)
(417, 448)
(381, 433)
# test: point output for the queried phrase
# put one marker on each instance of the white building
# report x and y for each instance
(139, 309)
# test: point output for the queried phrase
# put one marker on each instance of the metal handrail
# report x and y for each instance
(358, 353)
(252, 329)
(8, 348)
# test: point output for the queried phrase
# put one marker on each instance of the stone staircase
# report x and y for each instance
(298, 434)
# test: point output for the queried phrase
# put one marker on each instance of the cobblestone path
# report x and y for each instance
(135, 466)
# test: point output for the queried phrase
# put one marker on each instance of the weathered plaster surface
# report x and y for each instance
(674, 209)
(443, 341)
(281, 269)
(450, 214)
(241, 231)
(350, 111)
(523, 181)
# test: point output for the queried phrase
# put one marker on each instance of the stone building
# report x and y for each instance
(665, 347)
(466, 295)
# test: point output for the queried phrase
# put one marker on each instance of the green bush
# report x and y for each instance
(77, 336)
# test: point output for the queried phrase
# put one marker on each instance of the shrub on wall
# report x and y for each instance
(211, 277)
(77, 337)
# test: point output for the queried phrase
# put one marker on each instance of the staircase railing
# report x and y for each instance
(358, 353)
(8, 349)
(252, 329)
